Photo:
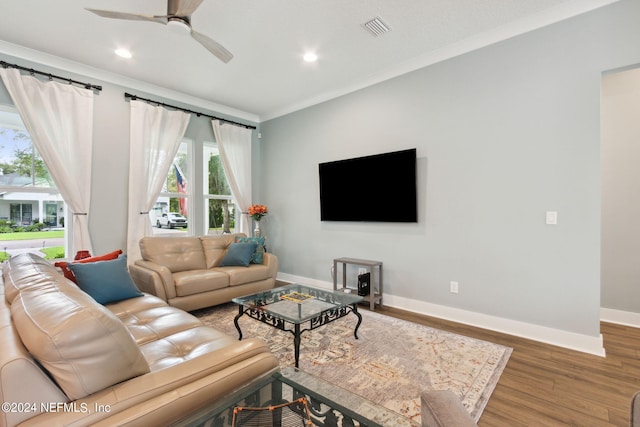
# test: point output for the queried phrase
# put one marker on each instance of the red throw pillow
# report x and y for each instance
(66, 271)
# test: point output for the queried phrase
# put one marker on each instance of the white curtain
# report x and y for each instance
(155, 137)
(234, 143)
(59, 118)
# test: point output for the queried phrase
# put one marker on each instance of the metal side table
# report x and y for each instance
(375, 269)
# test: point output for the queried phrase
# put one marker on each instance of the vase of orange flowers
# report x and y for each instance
(257, 212)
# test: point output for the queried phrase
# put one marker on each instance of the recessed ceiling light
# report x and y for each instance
(310, 57)
(123, 53)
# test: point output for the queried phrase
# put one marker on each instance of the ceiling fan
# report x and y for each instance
(179, 15)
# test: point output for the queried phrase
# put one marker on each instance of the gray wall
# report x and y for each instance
(621, 191)
(503, 135)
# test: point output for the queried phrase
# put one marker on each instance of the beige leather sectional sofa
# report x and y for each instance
(67, 360)
(186, 271)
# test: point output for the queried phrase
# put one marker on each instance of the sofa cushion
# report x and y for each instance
(66, 271)
(176, 253)
(185, 345)
(215, 247)
(125, 308)
(257, 257)
(106, 281)
(198, 281)
(239, 254)
(26, 271)
(21, 378)
(79, 342)
(152, 324)
(242, 275)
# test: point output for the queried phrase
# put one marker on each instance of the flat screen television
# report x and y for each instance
(377, 188)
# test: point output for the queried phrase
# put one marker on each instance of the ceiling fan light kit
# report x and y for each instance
(178, 17)
(179, 26)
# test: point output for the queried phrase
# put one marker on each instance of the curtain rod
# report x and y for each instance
(51, 76)
(134, 97)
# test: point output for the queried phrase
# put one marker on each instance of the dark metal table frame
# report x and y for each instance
(257, 309)
(330, 405)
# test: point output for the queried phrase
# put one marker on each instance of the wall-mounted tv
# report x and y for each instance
(377, 188)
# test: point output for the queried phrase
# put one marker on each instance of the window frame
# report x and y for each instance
(209, 196)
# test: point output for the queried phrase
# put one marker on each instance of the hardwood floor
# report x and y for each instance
(545, 385)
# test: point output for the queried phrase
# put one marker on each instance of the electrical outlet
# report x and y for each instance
(453, 287)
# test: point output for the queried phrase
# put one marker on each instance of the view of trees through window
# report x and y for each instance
(31, 209)
(21, 159)
(221, 209)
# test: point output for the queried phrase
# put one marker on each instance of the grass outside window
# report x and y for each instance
(32, 235)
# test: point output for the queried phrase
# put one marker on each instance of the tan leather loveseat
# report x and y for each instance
(186, 272)
(67, 360)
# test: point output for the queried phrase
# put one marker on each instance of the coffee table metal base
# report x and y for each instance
(330, 405)
(327, 317)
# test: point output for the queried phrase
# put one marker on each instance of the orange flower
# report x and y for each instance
(257, 211)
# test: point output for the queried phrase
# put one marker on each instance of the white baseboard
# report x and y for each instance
(290, 278)
(570, 340)
(620, 317)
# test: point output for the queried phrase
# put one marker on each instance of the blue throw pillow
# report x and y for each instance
(106, 281)
(239, 254)
(257, 257)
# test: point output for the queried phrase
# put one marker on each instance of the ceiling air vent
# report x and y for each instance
(376, 27)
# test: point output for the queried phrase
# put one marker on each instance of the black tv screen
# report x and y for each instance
(377, 188)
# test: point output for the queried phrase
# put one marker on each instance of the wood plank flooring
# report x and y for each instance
(545, 385)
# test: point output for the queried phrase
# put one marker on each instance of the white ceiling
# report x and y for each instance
(267, 76)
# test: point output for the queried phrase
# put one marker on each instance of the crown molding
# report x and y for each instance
(542, 19)
(90, 72)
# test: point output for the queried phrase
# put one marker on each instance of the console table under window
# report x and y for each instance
(375, 270)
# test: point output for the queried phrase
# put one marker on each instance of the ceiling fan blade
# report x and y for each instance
(129, 16)
(182, 7)
(213, 46)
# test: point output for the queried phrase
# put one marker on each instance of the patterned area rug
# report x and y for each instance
(390, 364)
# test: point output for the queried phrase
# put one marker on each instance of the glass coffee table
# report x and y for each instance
(329, 404)
(290, 307)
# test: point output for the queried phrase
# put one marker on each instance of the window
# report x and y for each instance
(20, 163)
(221, 212)
(21, 213)
(170, 214)
(195, 200)
(30, 200)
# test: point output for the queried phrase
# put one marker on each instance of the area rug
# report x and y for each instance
(391, 363)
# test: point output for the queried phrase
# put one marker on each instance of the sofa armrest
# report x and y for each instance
(179, 389)
(442, 408)
(190, 399)
(271, 261)
(153, 278)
